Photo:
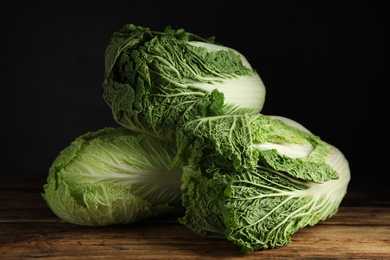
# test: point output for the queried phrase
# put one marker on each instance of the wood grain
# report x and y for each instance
(28, 229)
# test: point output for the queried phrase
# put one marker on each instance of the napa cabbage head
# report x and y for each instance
(255, 179)
(113, 176)
(155, 80)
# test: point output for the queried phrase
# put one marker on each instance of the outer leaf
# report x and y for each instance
(245, 141)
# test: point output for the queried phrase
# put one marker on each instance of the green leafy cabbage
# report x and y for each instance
(192, 141)
(154, 80)
(113, 176)
(257, 179)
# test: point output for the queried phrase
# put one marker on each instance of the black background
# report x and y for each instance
(319, 60)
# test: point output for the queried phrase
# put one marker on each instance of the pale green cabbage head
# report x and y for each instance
(113, 176)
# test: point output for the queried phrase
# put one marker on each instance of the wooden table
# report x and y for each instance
(29, 229)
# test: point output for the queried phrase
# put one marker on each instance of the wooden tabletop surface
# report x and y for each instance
(29, 229)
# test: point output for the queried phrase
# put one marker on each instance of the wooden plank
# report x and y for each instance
(360, 216)
(161, 240)
(28, 229)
